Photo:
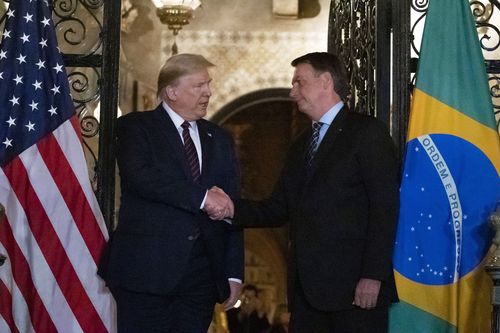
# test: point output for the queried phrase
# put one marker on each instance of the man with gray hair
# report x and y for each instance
(168, 263)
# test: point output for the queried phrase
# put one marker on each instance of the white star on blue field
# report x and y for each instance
(429, 223)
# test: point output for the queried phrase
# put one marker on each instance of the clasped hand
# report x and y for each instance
(218, 204)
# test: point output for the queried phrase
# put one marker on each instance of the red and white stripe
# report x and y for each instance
(53, 235)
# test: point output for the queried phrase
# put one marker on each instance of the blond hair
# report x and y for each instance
(180, 65)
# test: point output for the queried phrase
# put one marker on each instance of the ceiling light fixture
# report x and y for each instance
(175, 14)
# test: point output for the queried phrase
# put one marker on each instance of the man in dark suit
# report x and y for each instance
(168, 263)
(339, 192)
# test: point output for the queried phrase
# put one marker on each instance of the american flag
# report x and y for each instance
(53, 232)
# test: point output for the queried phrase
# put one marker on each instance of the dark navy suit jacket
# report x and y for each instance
(342, 212)
(160, 216)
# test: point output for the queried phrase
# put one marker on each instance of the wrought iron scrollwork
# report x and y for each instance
(352, 31)
(78, 26)
(90, 126)
(85, 92)
(94, 4)
(494, 84)
(65, 8)
(482, 12)
(419, 7)
(489, 37)
(84, 84)
(75, 33)
(490, 33)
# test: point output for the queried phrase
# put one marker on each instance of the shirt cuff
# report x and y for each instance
(235, 280)
(204, 199)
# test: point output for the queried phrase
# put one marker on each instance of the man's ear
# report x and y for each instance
(327, 80)
(170, 93)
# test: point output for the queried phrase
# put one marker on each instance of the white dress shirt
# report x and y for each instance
(193, 130)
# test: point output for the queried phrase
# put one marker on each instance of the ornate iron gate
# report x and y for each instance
(359, 31)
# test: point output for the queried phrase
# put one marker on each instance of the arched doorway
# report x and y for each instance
(263, 124)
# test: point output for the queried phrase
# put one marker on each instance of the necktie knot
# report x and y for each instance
(185, 125)
(317, 126)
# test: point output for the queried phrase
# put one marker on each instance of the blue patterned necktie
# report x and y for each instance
(191, 153)
(313, 145)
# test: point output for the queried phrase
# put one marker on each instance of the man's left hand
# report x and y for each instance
(366, 294)
(235, 291)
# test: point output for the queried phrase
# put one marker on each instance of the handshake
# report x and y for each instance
(218, 205)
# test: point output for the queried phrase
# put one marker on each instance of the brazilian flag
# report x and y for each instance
(450, 183)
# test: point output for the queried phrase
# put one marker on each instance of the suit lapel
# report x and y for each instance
(207, 146)
(336, 127)
(167, 130)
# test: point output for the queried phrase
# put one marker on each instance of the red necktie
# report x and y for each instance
(191, 153)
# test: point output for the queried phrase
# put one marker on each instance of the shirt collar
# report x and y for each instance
(330, 115)
(176, 119)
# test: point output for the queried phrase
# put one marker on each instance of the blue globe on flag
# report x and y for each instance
(442, 234)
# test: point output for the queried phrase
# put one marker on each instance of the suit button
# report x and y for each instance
(195, 235)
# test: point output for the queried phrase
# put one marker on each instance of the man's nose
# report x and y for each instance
(208, 91)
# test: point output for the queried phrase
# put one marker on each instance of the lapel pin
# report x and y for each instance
(209, 134)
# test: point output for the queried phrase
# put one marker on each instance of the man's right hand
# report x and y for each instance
(235, 291)
(218, 204)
